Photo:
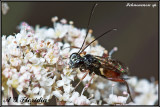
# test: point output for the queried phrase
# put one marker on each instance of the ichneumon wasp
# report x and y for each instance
(104, 66)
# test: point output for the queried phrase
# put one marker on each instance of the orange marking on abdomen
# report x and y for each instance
(112, 75)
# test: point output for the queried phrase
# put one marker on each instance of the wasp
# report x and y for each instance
(103, 66)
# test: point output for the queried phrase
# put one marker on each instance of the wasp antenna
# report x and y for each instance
(91, 14)
(71, 47)
(114, 29)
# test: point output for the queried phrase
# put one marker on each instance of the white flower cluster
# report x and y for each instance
(35, 65)
(145, 92)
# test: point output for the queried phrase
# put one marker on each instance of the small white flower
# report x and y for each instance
(82, 100)
(65, 50)
(15, 62)
(6, 72)
(133, 81)
(78, 42)
(36, 69)
(10, 38)
(68, 88)
(63, 21)
(50, 81)
(59, 31)
(64, 81)
(51, 57)
(68, 74)
(97, 95)
(25, 77)
(100, 85)
(35, 90)
(29, 91)
(12, 50)
(67, 71)
(49, 33)
(142, 86)
(23, 38)
(9, 82)
(49, 43)
(34, 60)
(97, 50)
(146, 99)
(20, 88)
(23, 69)
(122, 99)
(79, 100)
(114, 99)
(47, 81)
(74, 50)
(29, 55)
(74, 96)
(42, 92)
(65, 97)
(61, 97)
(74, 32)
(54, 19)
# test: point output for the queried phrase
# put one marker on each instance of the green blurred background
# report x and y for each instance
(136, 38)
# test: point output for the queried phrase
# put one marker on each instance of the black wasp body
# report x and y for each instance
(106, 67)
(87, 62)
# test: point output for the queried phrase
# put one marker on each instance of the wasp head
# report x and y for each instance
(75, 60)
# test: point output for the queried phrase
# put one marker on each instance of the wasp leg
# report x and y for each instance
(128, 90)
(81, 80)
(122, 81)
(87, 85)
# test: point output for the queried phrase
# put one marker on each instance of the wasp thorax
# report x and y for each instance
(75, 60)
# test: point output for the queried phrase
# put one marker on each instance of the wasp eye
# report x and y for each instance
(75, 60)
(73, 56)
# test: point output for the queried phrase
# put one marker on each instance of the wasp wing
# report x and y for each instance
(112, 64)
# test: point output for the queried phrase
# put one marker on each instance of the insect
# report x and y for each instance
(103, 66)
